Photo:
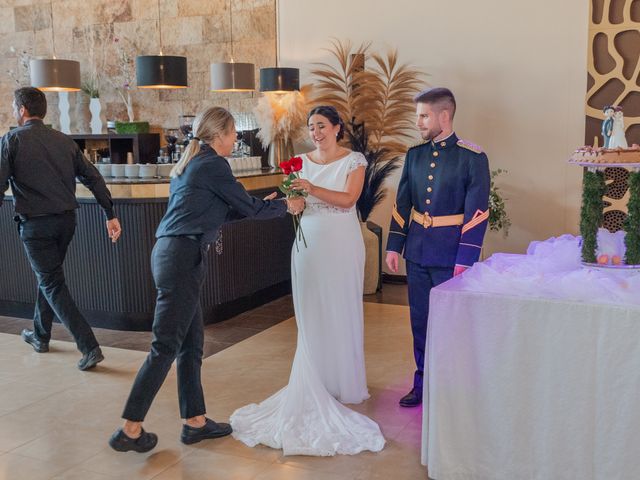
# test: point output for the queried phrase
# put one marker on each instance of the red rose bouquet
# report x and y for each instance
(291, 169)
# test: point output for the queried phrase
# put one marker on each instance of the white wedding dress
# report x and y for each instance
(618, 139)
(306, 416)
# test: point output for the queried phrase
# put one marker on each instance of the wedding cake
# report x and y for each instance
(599, 246)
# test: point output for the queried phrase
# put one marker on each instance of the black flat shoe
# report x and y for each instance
(411, 399)
(91, 359)
(30, 337)
(210, 429)
(120, 442)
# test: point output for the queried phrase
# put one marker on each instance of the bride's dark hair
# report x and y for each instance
(332, 115)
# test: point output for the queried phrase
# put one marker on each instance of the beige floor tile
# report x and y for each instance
(17, 467)
(80, 474)
(399, 460)
(17, 430)
(15, 395)
(344, 465)
(84, 405)
(207, 465)
(56, 445)
(287, 472)
(230, 446)
(54, 375)
(135, 466)
(4, 378)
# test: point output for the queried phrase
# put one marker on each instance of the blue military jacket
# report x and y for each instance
(442, 178)
(207, 195)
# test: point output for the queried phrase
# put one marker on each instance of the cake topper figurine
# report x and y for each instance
(607, 125)
(618, 139)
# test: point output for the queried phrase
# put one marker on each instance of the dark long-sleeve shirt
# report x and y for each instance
(42, 165)
(207, 195)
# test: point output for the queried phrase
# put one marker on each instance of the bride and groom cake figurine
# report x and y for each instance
(613, 127)
(615, 149)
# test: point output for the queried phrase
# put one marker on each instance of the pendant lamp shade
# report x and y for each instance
(233, 77)
(279, 79)
(161, 71)
(55, 75)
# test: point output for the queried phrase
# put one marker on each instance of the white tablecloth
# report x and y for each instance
(530, 387)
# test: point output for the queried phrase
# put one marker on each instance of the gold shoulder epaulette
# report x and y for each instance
(418, 144)
(469, 146)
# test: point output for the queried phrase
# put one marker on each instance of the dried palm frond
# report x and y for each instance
(377, 105)
(393, 120)
(343, 86)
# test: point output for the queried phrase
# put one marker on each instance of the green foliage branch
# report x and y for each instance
(591, 213)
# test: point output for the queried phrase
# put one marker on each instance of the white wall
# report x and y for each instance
(517, 68)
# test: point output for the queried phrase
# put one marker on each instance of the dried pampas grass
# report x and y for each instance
(371, 89)
(281, 115)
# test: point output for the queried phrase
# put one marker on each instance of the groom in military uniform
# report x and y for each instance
(440, 214)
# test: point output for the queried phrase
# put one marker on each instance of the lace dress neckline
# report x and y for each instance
(338, 160)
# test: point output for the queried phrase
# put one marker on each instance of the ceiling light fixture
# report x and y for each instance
(161, 71)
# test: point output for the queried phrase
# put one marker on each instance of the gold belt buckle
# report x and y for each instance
(427, 221)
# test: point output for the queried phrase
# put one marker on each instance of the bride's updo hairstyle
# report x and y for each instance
(208, 125)
(332, 115)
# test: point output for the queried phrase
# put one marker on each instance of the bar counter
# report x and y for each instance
(158, 187)
(112, 283)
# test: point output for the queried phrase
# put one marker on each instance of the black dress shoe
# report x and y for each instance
(210, 429)
(412, 399)
(39, 346)
(91, 359)
(120, 442)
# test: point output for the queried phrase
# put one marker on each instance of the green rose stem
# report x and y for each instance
(632, 222)
(286, 188)
(593, 188)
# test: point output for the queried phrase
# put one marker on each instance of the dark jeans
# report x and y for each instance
(178, 331)
(421, 280)
(46, 239)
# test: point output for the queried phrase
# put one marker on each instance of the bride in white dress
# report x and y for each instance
(306, 417)
(618, 139)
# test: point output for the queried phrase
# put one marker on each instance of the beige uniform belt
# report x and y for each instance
(427, 221)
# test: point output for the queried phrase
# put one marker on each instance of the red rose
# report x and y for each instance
(286, 167)
(296, 164)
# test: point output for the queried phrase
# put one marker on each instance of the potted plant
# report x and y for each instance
(377, 104)
(123, 79)
(498, 217)
(91, 87)
(93, 40)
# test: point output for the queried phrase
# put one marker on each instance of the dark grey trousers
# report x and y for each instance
(178, 333)
(421, 280)
(46, 239)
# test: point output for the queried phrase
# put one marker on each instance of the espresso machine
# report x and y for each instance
(247, 129)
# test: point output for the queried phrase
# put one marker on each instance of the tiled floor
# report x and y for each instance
(218, 336)
(55, 420)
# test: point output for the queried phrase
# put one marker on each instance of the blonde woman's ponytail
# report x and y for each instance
(191, 151)
(208, 125)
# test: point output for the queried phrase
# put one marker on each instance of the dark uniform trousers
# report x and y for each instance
(46, 239)
(438, 222)
(178, 332)
(421, 280)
